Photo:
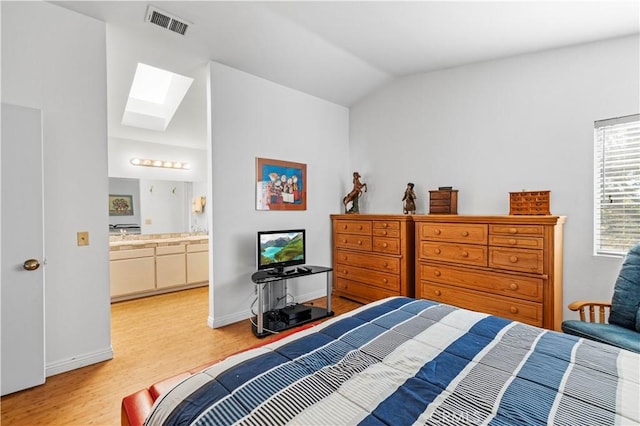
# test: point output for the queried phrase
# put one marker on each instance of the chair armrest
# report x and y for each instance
(581, 305)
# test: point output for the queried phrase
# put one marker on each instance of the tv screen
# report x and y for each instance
(278, 249)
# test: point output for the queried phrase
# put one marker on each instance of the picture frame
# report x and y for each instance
(280, 185)
(120, 205)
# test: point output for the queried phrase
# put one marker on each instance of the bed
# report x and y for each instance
(402, 361)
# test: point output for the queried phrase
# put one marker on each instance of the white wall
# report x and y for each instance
(252, 117)
(486, 129)
(61, 70)
(164, 206)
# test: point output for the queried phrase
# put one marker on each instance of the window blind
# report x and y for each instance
(617, 184)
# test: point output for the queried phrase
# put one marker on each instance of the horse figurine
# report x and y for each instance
(356, 192)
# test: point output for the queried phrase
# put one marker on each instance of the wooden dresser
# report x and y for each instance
(373, 256)
(510, 266)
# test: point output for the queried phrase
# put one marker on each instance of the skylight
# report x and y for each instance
(154, 97)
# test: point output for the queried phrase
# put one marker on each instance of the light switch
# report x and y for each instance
(83, 238)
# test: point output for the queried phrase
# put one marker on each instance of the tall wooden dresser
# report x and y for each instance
(510, 266)
(373, 256)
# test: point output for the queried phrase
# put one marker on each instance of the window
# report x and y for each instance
(617, 184)
(154, 97)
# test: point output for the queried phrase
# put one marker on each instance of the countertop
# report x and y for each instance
(152, 241)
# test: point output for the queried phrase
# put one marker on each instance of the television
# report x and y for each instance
(279, 249)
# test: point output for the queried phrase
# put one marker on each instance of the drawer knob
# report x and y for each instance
(384, 225)
(465, 254)
(437, 251)
(361, 227)
(513, 259)
(385, 264)
(512, 242)
(344, 240)
(344, 271)
(384, 232)
(359, 242)
(513, 286)
(513, 231)
(344, 226)
(464, 233)
(385, 245)
(384, 280)
(438, 292)
(437, 231)
(437, 273)
(513, 310)
(345, 258)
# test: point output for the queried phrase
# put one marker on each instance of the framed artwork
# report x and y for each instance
(120, 205)
(280, 185)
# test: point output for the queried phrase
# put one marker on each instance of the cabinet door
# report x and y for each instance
(197, 267)
(171, 270)
(132, 275)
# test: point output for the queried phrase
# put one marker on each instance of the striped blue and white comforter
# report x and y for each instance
(402, 361)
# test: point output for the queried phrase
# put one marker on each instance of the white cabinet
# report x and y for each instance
(171, 268)
(197, 263)
(132, 271)
(141, 269)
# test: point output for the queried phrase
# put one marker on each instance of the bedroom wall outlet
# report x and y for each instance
(83, 238)
(147, 221)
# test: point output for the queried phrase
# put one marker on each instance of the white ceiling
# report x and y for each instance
(339, 51)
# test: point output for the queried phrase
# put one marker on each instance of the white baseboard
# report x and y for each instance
(78, 362)
(241, 316)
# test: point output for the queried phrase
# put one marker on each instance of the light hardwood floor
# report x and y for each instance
(153, 338)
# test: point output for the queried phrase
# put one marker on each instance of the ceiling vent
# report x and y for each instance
(166, 20)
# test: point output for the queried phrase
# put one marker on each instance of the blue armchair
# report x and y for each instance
(623, 327)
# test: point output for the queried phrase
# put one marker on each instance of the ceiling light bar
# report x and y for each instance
(180, 165)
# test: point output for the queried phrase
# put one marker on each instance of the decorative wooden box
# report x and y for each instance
(529, 202)
(444, 201)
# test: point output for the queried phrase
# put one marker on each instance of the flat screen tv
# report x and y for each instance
(279, 249)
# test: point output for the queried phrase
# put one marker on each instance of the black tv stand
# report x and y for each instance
(276, 320)
(275, 272)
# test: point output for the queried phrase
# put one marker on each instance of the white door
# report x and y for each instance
(22, 362)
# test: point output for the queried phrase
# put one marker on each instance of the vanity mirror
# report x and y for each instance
(157, 206)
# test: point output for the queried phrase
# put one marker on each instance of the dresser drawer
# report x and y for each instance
(534, 230)
(386, 245)
(379, 279)
(456, 253)
(380, 263)
(440, 195)
(457, 233)
(357, 242)
(393, 233)
(442, 202)
(516, 259)
(490, 282)
(361, 292)
(436, 209)
(353, 227)
(386, 224)
(516, 241)
(515, 309)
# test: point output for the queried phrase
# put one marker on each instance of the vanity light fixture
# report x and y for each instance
(180, 165)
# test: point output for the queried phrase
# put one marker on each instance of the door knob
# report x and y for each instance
(31, 264)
